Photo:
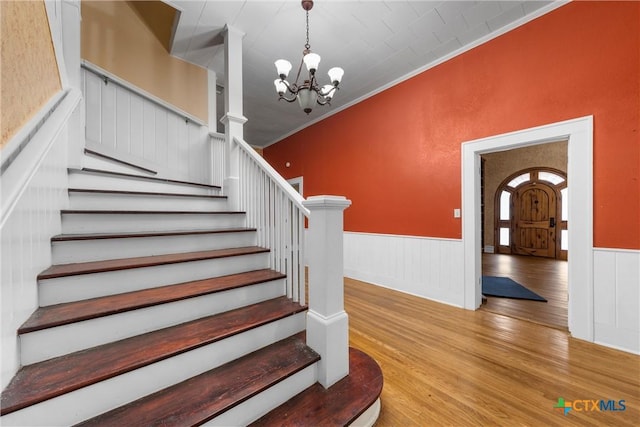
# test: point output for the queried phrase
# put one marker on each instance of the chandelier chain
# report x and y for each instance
(307, 45)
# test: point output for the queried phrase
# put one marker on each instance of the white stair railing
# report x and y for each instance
(217, 149)
(275, 209)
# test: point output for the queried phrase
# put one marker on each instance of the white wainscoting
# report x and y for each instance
(616, 278)
(431, 268)
(434, 268)
(130, 125)
(35, 186)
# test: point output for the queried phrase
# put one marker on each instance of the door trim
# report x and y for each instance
(579, 134)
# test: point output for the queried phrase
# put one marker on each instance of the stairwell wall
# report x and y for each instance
(34, 170)
(25, 249)
(143, 105)
(116, 37)
(125, 122)
(28, 68)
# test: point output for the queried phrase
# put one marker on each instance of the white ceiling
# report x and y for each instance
(377, 43)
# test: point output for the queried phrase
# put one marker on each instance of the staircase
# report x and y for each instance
(160, 308)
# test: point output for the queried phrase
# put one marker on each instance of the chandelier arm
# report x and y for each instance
(299, 70)
(287, 99)
(293, 88)
(324, 95)
(313, 84)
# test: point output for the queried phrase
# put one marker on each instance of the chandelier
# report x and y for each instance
(308, 93)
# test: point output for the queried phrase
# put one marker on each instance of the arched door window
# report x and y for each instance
(531, 209)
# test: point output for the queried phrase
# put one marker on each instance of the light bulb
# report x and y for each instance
(335, 75)
(281, 87)
(283, 67)
(311, 60)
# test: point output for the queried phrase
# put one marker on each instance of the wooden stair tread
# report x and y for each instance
(63, 270)
(45, 380)
(66, 313)
(92, 236)
(143, 193)
(202, 398)
(339, 405)
(149, 178)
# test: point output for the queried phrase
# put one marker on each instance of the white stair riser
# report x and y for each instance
(52, 342)
(142, 202)
(95, 181)
(260, 404)
(84, 286)
(122, 223)
(72, 251)
(92, 162)
(369, 417)
(79, 405)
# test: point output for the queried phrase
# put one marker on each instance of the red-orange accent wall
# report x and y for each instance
(397, 155)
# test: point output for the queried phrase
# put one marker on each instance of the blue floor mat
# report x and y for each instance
(506, 288)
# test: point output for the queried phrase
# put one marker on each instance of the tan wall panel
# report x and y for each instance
(29, 74)
(115, 38)
(498, 166)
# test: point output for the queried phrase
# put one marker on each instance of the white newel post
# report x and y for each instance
(327, 322)
(212, 100)
(71, 19)
(233, 118)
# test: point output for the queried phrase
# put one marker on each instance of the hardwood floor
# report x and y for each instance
(545, 276)
(448, 366)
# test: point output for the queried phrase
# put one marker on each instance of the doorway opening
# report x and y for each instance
(546, 277)
(579, 134)
(297, 184)
(528, 236)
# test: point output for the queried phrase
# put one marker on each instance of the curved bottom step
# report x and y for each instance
(352, 400)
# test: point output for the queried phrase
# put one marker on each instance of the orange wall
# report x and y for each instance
(397, 155)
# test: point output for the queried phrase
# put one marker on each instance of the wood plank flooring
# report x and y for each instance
(545, 276)
(445, 366)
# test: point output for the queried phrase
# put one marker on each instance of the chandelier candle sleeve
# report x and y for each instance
(335, 75)
(312, 61)
(306, 89)
(283, 67)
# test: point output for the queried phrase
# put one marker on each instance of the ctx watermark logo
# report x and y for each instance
(590, 405)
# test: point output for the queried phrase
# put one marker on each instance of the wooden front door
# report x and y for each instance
(535, 218)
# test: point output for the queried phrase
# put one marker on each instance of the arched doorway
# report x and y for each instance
(531, 213)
